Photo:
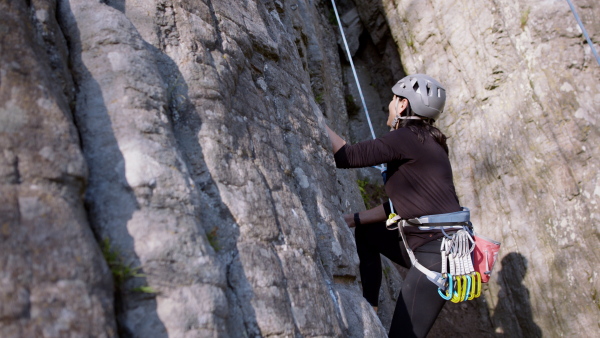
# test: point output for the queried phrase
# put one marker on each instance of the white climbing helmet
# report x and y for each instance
(426, 95)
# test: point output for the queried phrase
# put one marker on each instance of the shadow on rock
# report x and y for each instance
(513, 316)
(109, 199)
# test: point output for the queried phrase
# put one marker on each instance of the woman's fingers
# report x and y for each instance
(349, 219)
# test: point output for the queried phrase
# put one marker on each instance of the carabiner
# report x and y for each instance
(468, 289)
(456, 296)
(463, 291)
(448, 294)
(445, 234)
(477, 284)
(473, 286)
(392, 222)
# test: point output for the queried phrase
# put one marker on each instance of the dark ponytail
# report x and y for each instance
(423, 128)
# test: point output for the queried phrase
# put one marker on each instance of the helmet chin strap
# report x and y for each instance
(415, 117)
(395, 122)
(398, 117)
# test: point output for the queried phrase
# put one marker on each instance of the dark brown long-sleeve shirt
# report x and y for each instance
(419, 175)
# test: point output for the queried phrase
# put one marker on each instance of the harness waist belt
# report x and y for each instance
(463, 216)
(452, 220)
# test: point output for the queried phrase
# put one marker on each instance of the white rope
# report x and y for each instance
(585, 34)
(362, 98)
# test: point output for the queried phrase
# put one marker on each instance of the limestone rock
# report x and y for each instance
(523, 92)
(202, 126)
(189, 136)
(53, 280)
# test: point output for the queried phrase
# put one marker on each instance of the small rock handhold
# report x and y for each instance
(279, 6)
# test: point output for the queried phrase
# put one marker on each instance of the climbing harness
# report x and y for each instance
(467, 258)
(463, 280)
(585, 33)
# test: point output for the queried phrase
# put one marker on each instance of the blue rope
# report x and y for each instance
(587, 37)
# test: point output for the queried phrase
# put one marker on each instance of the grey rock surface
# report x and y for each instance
(189, 135)
(523, 91)
(202, 125)
(53, 279)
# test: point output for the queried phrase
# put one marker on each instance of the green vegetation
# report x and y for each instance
(121, 272)
(144, 289)
(386, 271)
(319, 98)
(372, 194)
(410, 42)
(213, 240)
(595, 298)
(525, 17)
(332, 19)
(351, 106)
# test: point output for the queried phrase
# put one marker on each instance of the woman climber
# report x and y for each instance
(419, 182)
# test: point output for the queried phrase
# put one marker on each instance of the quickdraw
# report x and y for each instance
(464, 283)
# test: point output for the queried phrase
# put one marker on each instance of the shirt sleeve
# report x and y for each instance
(386, 208)
(372, 152)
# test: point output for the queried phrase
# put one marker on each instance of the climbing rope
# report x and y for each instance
(360, 93)
(585, 34)
(362, 98)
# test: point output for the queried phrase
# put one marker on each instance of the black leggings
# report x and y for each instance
(419, 303)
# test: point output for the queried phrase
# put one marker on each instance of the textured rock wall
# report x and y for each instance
(201, 124)
(188, 134)
(53, 280)
(523, 98)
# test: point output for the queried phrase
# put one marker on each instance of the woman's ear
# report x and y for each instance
(402, 106)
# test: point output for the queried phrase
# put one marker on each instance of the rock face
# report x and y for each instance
(523, 96)
(186, 137)
(210, 175)
(53, 279)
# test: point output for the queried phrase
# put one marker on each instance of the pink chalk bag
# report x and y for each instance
(468, 258)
